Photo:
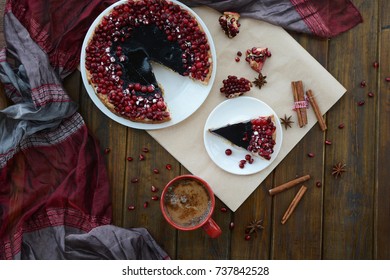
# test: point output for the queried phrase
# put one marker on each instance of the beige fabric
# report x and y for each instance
(289, 62)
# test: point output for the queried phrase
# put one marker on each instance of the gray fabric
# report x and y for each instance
(278, 12)
(32, 111)
(102, 243)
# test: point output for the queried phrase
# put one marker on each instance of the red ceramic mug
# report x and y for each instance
(187, 203)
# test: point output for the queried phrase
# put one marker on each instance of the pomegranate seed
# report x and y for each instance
(129, 159)
(375, 64)
(223, 209)
(241, 165)
(145, 150)
(361, 103)
(341, 125)
(248, 157)
(228, 152)
(156, 171)
(387, 79)
(141, 157)
(231, 225)
(363, 84)
(247, 237)
(237, 59)
(168, 166)
(239, 53)
(107, 150)
(135, 180)
(154, 189)
(146, 204)
(328, 142)
(155, 197)
(318, 184)
(131, 207)
(310, 155)
(370, 94)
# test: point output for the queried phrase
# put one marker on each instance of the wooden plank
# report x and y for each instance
(348, 201)
(382, 209)
(136, 194)
(257, 207)
(301, 236)
(110, 135)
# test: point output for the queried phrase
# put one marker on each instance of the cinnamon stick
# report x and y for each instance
(288, 185)
(316, 109)
(301, 98)
(293, 204)
(298, 110)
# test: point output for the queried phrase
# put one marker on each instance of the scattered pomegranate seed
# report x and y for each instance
(131, 207)
(361, 103)
(318, 184)
(237, 59)
(247, 237)
(154, 189)
(146, 204)
(168, 166)
(223, 209)
(231, 225)
(107, 150)
(241, 165)
(341, 125)
(156, 171)
(135, 180)
(228, 152)
(310, 155)
(248, 157)
(239, 53)
(375, 64)
(141, 157)
(370, 94)
(328, 142)
(155, 197)
(363, 84)
(387, 79)
(145, 150)
(129, 159)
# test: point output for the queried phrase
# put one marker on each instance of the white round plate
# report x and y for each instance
(231, 111)
(183, 95)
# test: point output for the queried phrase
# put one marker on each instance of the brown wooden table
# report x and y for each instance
(345, 218)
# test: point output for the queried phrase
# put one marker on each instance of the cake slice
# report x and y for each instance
(255, 135)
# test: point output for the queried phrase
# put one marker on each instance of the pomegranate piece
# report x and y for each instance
(229, 23)
(234, 86)
(256, 57)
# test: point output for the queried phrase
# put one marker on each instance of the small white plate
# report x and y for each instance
(232, 111)
(183, 95)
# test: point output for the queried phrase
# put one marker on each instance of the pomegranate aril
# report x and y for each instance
(168, 166)
(239, 53)
(318, 184)
(387, 79)
(141, 157)
(237, 59)
(247, 237)
(135, 180)
(370, 94)
(361, 103)
(363, 84)
(231, 225)
(145, 150)
(154, 189)
(328, 142)
(107, 150)
(375, 64)
(155, 197)
(228, 152)
(341, 126)
(129, 159)
(311, 155)
(223, 209)
(146, 204)
(131, 207)
(156, 171)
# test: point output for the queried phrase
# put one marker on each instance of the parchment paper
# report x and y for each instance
(289, 62)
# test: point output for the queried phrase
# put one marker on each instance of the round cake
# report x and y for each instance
(128, 37)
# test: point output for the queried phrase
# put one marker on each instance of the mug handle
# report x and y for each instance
(212, 229)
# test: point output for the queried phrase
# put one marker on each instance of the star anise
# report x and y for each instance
(254, 227)
(338, 169)
(260, 81)
(286, 121)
